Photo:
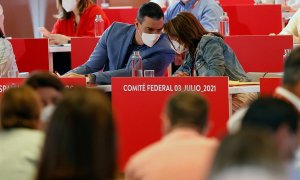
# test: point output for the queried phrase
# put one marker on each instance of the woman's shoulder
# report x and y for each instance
(209, 38)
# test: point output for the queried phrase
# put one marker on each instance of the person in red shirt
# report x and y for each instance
(75, 19)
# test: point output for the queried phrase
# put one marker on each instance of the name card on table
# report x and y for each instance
(268, 85)
(139, 102)
(6, 83)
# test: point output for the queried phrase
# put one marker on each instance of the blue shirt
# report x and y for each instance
(110, 57)
(208, 12)
(213, 57)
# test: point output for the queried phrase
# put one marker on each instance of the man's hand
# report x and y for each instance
(58, 39)
(73, 75)
(180, 74)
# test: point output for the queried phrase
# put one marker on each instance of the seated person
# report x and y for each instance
(2, 19)
(111, 56)
(20, 139)
(207, 53)
(75, 18)
(208, 12)
(249, 154)
(184, 152)
(80, 139)
(293, 27)
(49, 88)
(286, 5)
(7, 56)
(164, 3)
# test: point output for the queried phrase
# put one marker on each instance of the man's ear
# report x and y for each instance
(166, 123)
(136, 23)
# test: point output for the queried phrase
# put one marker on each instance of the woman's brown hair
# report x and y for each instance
(81, 6)
(186, 29)
(20, 107)
(80, 140)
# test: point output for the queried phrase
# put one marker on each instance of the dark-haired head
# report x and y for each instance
(151, 10)
(271, 113)
(278, 117)
(187, 30)
(47, 85)
(80, 140)
(186, 109)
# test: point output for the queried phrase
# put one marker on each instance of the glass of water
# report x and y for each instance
(148, 73)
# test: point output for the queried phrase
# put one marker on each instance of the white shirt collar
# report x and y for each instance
(295, 100)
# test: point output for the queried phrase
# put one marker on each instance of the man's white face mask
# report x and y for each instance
(176, 46)
(150, 39)
(69, 5)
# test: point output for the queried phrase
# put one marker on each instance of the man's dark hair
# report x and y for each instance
(42, 79)
(271, 113)
(151, 10)
(292, 68)
(187, 109)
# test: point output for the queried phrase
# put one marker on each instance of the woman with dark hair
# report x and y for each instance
(75, 19)
(207, 53)
(80, 140)
(20, 139)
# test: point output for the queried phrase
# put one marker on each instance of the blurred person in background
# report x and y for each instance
(286, 5)
(49, 88)
(249, 154)
(75, 19)
(207, 12)
(293, 27)
(7, 56)
(282, 120)
(165, 3)
(184, 152)
(80, 139)
(20, 140)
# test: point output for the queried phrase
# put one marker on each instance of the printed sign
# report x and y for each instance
(139, 102)
(268, 85)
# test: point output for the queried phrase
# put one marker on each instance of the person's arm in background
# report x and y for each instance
(158, 62)
(210, 18)
(173, 10)
(291, 28)
(97, 59)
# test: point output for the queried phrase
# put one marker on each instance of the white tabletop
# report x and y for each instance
(60, 48)
(244, 89)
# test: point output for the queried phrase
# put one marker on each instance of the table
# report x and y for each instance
(54, 49)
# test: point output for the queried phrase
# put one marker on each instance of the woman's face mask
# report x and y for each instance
(176, 46)
(69, 5)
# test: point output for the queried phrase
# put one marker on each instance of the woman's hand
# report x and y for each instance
(58, 39)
